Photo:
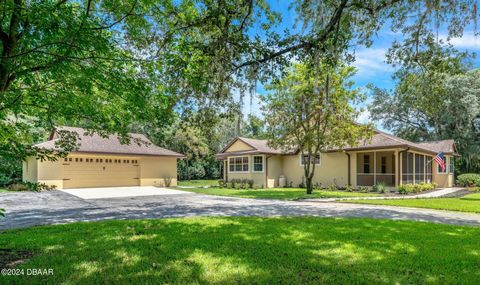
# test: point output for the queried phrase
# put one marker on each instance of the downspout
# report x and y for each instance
(399, 179)
(349, 170)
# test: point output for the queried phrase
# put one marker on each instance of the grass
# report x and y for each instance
(277, 193)
(3, 190)
(249, 251)
(198, 183)
(468, 203)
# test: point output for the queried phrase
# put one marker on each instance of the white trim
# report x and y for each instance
(253, 163)
(248, 171)
(316, 164)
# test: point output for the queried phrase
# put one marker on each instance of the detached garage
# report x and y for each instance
(104, 162)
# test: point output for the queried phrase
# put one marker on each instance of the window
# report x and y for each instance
(366, 163)
(101, 159)
(81, 159)
(65, 159)
(238, 164)
(258, 163)
(70, 159)
(407, 167)
(384, 164)
(305, 159)
(452, 165)
(76, 159)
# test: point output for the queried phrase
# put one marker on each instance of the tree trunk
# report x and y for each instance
(309, 184)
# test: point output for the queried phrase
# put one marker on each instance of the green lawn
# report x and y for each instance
(277, 193)
(468, 203)
(3, 190)
(249, 250)
(198, 183)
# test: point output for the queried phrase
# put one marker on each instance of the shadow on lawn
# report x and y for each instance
(251, 250)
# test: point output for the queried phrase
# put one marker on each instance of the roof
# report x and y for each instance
(379, 140)
(94, 143)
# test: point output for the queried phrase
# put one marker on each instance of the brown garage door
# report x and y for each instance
(81, 175)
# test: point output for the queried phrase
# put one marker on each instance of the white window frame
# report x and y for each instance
(316, 164)
(248, 164)
(253, 163)
(451, 162)
(447, 167)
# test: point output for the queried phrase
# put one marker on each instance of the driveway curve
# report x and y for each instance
(26, 209)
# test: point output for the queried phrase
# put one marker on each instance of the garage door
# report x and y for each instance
(83, 174)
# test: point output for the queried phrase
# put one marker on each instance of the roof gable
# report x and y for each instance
(238, 145)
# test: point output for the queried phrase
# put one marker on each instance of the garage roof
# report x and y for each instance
(94, 143)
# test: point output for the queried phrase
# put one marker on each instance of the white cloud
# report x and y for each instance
(364, 117)
(371, 62)
(467, 41)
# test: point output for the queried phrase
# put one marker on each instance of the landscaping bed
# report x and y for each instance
(277, 193)
(467, 203)
(244, 250)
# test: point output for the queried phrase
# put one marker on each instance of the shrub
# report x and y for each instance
(415, 188)
(469, 180)
(222, 183)
(2, 213)
(405, 188)
(302, 184)
(31, 186)
(233, 183)
(317, 185)
(331, 188)
(349, 188)
(379, 187)
(250, 183)
(363, 189)
(167, 181)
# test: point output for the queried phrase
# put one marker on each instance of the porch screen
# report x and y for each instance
(419, 168)
(428, 169)
(407, 167)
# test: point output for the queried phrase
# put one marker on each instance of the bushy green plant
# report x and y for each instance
(250, 183)
(469, 180)
(302, 184)
(168, 181)
(331, 188)
(363, 189)
(31, 186)
(349, 188)
(415, 188)
(317, 186)
(379, 187)
(222, 183)
(2, 212)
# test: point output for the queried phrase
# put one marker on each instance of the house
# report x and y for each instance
(385, 158)
(104, 162)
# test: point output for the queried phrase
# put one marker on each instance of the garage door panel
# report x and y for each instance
(79, 175)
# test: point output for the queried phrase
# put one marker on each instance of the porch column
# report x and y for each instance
(374, 168)
(396, 173)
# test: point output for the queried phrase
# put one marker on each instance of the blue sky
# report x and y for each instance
(370, 62)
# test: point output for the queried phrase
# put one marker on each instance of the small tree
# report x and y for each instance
(310, 110)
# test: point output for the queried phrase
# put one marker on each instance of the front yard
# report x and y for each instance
(468, 203)
(277, 193)
(249, 250)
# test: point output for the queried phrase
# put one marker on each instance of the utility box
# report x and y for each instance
(282, 181)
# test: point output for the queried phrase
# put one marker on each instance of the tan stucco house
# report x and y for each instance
(385, 158)
(104, 162)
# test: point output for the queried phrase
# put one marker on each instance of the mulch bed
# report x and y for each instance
(11, 258)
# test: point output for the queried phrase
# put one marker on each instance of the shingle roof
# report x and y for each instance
(139, 144)
(378, 141)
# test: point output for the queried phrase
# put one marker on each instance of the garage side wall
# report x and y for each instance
(30, 169)
(50, 173)
(158, 171)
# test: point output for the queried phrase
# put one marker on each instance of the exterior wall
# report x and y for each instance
(238, 146)
(30, 169)
(154, 171)
(50, 173)
(333, 169)
(274, 170)
(443, 179)
(257, 177)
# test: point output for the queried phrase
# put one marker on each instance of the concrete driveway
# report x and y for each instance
(26, 209)
(117, 192)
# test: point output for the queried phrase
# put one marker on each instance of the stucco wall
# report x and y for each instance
(275, 169)
(155, 170)
(333, 168)
(442, 179)
(29, 169)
